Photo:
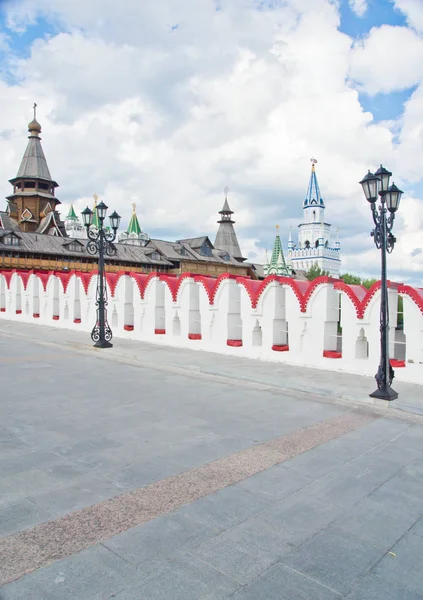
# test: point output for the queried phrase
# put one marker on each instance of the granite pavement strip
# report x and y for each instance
(31, 549)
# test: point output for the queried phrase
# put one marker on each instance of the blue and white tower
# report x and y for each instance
(314, 243)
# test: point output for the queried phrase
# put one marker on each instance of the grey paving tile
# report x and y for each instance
(92, 574)
(275, 483)
(149, 545)
(372, 587)
(225, 508)
(300, 516)
(26, 481)
(280, 582)
(403, 566)
(334, 559)
(82, 492)
(246, 550)
(374, 522)
(18, 512)
(343, 490)
(143, 472)
(185, 578)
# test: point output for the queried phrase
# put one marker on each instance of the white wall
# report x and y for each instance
(278, 319)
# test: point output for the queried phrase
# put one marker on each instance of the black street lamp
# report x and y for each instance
(100, 241)
(390, 196)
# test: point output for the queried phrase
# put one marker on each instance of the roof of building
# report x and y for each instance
(195, 242)
(277, 264)
(53, 245)
(133, 225)
(226, 239)
(6, 222)
(34, 164)
(190, 249)
(313, 197)
(72, 214)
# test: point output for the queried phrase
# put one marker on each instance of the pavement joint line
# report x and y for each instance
(388, 411)
(31, 549)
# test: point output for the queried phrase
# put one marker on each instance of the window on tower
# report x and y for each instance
(307, 244)
(317, 243)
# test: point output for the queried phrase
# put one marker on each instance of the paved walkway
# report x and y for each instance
(144, 472)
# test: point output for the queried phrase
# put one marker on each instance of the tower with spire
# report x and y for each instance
(33, 204)
(314, 243)
(73, 226)
(277, 264)
(226, 239)
(134, 235)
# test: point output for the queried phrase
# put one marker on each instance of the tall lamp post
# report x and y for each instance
(100, 241)
(374, 186)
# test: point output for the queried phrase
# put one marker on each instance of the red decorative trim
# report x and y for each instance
(397, 363)
(142, 280)
(211, 285)
(160, 331)
(235, 343)
(24, 275)
(194, 336)
(113, 279)
(36, 315)
(18, 311)
(174, 283)
(56, 317)
(2, 310)
(8, 277)
(77, 320)
(279, 348)
(360, 296)
(416, 294)
(128, 327)
(85, 278)
(332, 354)
(64, 279)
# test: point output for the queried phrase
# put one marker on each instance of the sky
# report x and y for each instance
(165, 104)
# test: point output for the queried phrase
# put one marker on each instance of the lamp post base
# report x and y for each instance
(386, 393)
(103, 344)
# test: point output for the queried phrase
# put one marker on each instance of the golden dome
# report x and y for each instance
(34, 126)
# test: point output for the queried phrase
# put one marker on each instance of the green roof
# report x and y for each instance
(72, 214)
(277, 264)
(134, 226)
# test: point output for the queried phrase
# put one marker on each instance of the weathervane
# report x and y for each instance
(35, 111)
(226, 190)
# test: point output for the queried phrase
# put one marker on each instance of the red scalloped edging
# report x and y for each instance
(77, 320)
(160, 331)
(332, 354)
(128, 327)
(194, 336)
(211, 285)
(416, 294)
(36, 315)
(280, 348)
(234, 343)
(361, 296)
(18, 311)
(394, 362)
(56, 317)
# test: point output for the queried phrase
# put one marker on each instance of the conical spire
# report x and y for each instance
(313, 196)
(71, 214)
(34, 164)
(226, 239)
(96, 220)
(134, 226)
(277, 264)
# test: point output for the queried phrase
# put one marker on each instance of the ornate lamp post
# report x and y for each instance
(100, 241)
(390, 196)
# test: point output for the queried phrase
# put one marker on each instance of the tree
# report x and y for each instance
(350, 279)
(315, 271)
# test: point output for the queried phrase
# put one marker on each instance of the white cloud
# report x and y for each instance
(388, 59)
(413, 10)
(359, 7)
(240, 97)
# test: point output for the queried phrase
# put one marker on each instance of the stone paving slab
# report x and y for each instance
(194, 485)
